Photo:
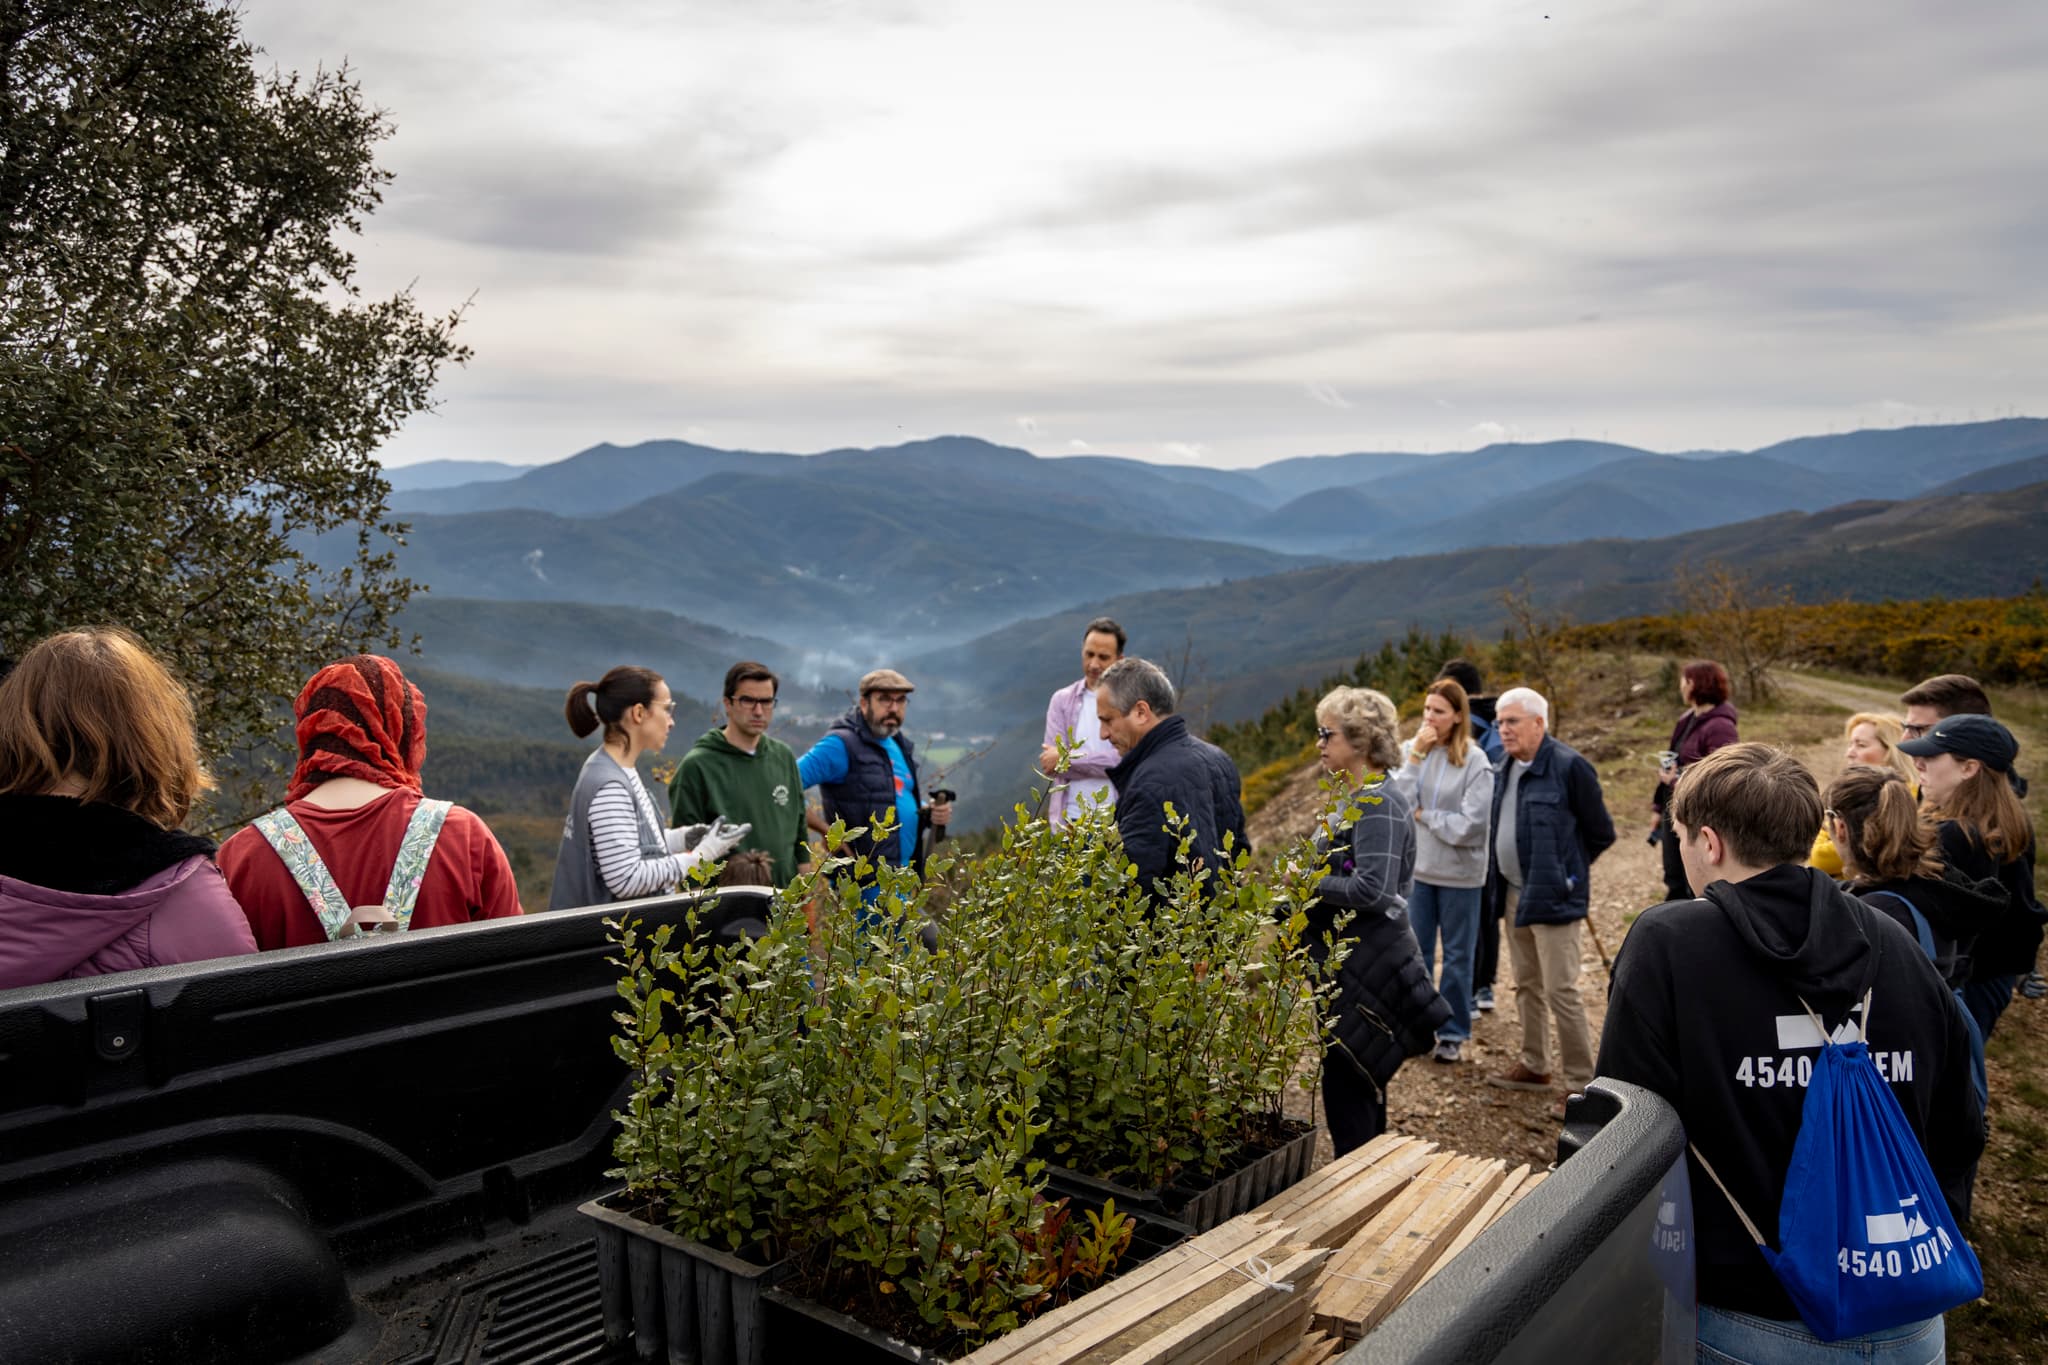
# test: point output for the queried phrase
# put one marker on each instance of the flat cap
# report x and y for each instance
(884, 680)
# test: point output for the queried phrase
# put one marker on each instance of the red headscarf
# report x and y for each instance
(360, 718)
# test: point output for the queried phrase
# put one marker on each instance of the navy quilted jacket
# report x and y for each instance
(1561, 826)
(1170, 765)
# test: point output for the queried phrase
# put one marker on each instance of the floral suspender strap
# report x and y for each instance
(288, 837)
(413, 855)
(337, 916)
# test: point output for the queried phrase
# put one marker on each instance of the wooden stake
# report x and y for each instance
(1496, 1204)
(1379, 1266)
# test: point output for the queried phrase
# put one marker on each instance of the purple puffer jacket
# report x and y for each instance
(180, 911)
(1696, 735)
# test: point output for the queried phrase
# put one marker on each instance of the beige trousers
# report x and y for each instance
(1546, 962)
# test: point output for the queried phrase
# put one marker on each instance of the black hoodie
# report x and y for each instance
(1705, 1011)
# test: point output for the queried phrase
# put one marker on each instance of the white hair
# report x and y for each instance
(1526, 698)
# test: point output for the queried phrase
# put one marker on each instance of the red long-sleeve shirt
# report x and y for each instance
(468, 878)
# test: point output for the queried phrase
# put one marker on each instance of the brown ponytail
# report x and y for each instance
(1888, 837)
(609, 698)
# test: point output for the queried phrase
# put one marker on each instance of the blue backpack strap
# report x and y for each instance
(288, 838)
(1921, 927)
(414, 852)
(1980, 1079)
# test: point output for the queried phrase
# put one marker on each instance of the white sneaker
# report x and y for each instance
(1447, 1050)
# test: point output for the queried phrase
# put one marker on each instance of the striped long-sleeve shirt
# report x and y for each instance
(615, 840)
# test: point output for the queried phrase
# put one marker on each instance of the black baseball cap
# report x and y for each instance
(1978, 737)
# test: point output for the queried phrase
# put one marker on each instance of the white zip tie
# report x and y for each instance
(1261, 1272)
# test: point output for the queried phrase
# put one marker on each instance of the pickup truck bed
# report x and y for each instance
(306, 1154)
(373, 1151)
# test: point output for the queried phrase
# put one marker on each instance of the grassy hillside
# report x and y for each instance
(1997, 640)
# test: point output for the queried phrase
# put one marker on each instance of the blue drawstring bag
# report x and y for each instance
(1866, 1240)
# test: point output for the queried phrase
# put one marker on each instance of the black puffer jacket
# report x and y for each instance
(2009, 945)
(1957, 908)
(1387, 1009)
(1171, 765)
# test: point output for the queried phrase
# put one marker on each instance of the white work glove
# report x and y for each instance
(683, 838)
(720, 840)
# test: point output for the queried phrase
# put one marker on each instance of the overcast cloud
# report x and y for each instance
(1225, 231)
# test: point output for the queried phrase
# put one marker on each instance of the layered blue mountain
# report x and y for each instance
(1916, 459)
(604, 478)
(1463, 479)
(407, 479)
(1236, 647)
(1999, 478)
(1405, 502)
(857, 552)
(1639, 496)
(854, 557)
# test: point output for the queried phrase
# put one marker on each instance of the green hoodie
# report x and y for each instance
(760, 789)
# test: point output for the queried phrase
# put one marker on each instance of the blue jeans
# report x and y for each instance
(1452, 911)
(1730, 1338)
(1987, 999)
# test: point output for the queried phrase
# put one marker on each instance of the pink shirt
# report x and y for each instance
(1086, 778)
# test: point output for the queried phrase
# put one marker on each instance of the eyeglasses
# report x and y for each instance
(669, 707)
(1914, 731)
(1324, 734)
(1831, 815)
(758, 703)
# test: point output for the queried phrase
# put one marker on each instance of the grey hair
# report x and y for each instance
(1133, 680)
(1368, 721)
(1527, 698)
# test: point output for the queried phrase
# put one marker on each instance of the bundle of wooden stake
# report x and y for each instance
(1239, 1294)
(1293, 1282)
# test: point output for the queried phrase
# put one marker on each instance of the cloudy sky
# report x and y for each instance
(1222, 231)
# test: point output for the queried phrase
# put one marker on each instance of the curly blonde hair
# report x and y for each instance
(1367, 720)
